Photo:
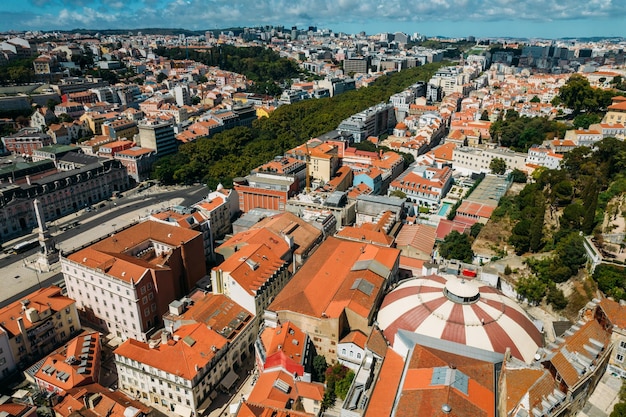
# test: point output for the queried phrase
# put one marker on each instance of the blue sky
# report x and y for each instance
(481, 18)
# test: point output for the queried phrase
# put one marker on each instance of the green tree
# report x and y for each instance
(535, 99)
(343, 385)
(397, 193)
(457, 246)
(161, 77)
(66, 118)
(319, 368)
(531, 289)
(583, 120)
(484, 115)
(519, 176)
(619, 410)
(497, 166)
(571, 251)
(51, 104)
(520, 236)
(536, 226)
(475, 229)
(556, 298)
(577, 94)
(611, 280)
(590, 197)
(572, 216)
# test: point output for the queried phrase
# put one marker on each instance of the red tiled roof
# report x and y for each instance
(475, 209)
(419, 236)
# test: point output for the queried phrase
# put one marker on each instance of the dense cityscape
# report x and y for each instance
(292, 221)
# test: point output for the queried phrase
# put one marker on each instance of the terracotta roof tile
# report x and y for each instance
(194, 347)
(323, 284)
(386, 385)
(614, 311)
(43, 299)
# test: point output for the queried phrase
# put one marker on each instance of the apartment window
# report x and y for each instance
(144, 300)
(619, 358)
(622, 344)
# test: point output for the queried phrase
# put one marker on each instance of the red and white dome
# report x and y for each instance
(463, 311)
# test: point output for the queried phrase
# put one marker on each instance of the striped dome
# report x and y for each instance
(462, 311)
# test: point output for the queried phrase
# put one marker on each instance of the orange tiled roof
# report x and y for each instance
(110, 254)
(216, 311)
(356, 337)
(324, 284)
(43, 299)
(420, 236)
(367, 232)
(445, 151)
(614, 311)
(387, 384)
(252, 266)
(194, 347)
(576, 345)
(256, 236)
(304, 234)
(248, 409)
(518, 383)
(80, 367)
(286, 338)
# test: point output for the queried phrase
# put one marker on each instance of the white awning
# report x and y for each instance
(230, 379)
(183, 411)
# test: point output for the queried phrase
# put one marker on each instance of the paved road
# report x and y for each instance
(18, 278)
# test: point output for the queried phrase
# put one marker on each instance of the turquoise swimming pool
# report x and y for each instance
(443, 209)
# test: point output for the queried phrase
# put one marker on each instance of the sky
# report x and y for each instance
(451, 18)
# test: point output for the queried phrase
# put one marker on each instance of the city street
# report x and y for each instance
(18, 277)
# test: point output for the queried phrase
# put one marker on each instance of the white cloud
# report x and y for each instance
(204, 14)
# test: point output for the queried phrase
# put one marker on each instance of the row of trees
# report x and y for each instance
(235, 152)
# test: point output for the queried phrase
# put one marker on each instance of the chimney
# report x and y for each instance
(28, 179)
(22, 328)
(165, 336)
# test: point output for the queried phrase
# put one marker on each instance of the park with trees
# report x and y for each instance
(237, 151)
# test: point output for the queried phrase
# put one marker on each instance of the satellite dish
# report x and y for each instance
(446, 409)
